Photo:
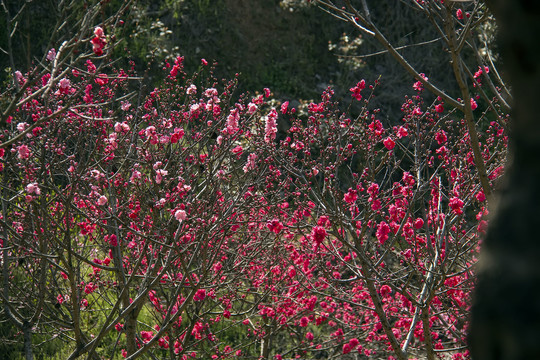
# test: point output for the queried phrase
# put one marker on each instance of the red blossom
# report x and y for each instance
(350, 196)
(382, 232)
(356, 90)
(474, 105)
(275, 226)
(389, 143)
(318, 234)
(200, 294)
(456, 204)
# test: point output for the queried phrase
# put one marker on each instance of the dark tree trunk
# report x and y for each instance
(27, 333)
(506, 310)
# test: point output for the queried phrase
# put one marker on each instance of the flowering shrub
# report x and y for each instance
(378, 243)
(179, 217)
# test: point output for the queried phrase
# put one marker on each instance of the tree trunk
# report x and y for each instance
(506, 309)
(27, 334)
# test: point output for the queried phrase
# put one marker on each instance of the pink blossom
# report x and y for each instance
(99, 41)
(160, 174)
(98, 31)
(459, 14)
(19, 76)
(266, 92)
(64, 85)
(304, 321)
(102, 200)
(252, 108)
(299, 145)
(284, 107)
(135, 175)
(121, 127)
(125, 105)
(237, 150)
(97, 45)
(24, 152)
(232, 121)
(22, 126)
(204, 62)
(417, 111)
(33, 188)
(439, 108)
(309, 336)
(180, 215)
(251, 163)
(418, 223)
(192, 89)
(210, 92)
(419, 86)
(270, 128)
(51, 54)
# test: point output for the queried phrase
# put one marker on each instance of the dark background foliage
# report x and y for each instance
(290, 46)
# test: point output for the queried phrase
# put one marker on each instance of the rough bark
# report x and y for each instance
(506, 310)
